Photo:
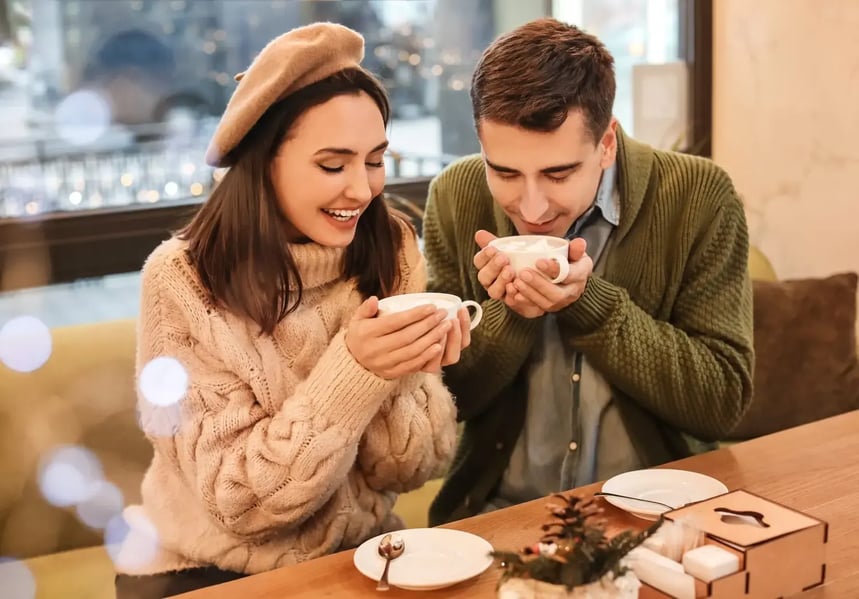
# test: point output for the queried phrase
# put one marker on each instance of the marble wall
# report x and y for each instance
(786, 126)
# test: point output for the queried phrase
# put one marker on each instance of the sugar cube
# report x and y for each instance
(709, 562)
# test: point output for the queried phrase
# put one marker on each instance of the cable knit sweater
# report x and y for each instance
(284, 448)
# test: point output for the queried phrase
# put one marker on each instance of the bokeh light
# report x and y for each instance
(16, 579)
(82, 117)
(105, 504)
(163, 381)
(25, 343)
(160, 421)
(70, 475)
(131, 539)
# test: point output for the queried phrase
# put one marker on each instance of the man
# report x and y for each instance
(644, 351)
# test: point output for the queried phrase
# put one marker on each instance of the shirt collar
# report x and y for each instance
(606, 203)
(607, 199)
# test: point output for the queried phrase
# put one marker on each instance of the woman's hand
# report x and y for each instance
(458, 338)
(394, 345)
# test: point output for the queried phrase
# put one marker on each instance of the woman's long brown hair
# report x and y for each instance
(238, 241)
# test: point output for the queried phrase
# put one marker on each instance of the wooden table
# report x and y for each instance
(812, 468)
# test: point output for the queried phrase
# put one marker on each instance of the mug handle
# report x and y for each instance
(478, 312)
(564, 269)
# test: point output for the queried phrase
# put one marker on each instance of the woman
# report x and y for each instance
(305, 412)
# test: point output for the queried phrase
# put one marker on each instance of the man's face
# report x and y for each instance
(545, 181)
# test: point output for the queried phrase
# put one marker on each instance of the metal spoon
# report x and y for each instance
(390, 547)
(605, 494)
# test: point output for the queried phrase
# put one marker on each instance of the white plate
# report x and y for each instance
(674, 487)
(434, 558)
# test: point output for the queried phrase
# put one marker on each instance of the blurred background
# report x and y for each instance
(106, 109)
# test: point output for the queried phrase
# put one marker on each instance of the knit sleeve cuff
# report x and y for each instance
(503, 318)
(342, 390)
(596, 305)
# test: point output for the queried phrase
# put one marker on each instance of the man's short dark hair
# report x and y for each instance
(535, 75)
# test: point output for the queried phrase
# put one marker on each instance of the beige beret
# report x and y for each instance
(288, 63)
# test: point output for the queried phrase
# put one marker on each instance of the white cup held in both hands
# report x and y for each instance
(524, 251)
(443, 301)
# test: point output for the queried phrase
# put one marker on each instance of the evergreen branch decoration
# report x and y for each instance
(574, 550)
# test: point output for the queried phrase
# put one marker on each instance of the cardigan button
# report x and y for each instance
(576, 377)
(573, 446)
(499, 446)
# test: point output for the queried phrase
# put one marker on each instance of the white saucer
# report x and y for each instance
(673, 487)
(434, 558)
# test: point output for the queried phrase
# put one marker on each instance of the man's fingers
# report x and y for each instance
(482, 238)
(494, 271)
(497, 288)
(550, 268)
(577, 249)
(580, 270)
(535, 291)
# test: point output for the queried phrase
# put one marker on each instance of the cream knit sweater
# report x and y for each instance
(284, 448)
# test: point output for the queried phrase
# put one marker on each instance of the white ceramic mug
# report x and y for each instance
(443, 301)
(523, 251)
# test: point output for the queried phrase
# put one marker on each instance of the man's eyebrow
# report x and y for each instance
(546, 171)
(350, 152)
(499, 168)
(561, 168)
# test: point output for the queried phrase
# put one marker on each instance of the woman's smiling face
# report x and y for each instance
(329, 169)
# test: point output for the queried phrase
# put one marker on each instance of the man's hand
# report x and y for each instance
(533, 291)
(493, 268)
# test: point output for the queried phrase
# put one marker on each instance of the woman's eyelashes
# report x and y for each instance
(339, 169)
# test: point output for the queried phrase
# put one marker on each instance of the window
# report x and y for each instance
(644, 38)
(114, 102)
(107, 107)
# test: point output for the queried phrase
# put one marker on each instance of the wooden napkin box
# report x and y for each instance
(761, 533)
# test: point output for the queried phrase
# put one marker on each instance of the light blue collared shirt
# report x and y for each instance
(606, 204)
(560, 444)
